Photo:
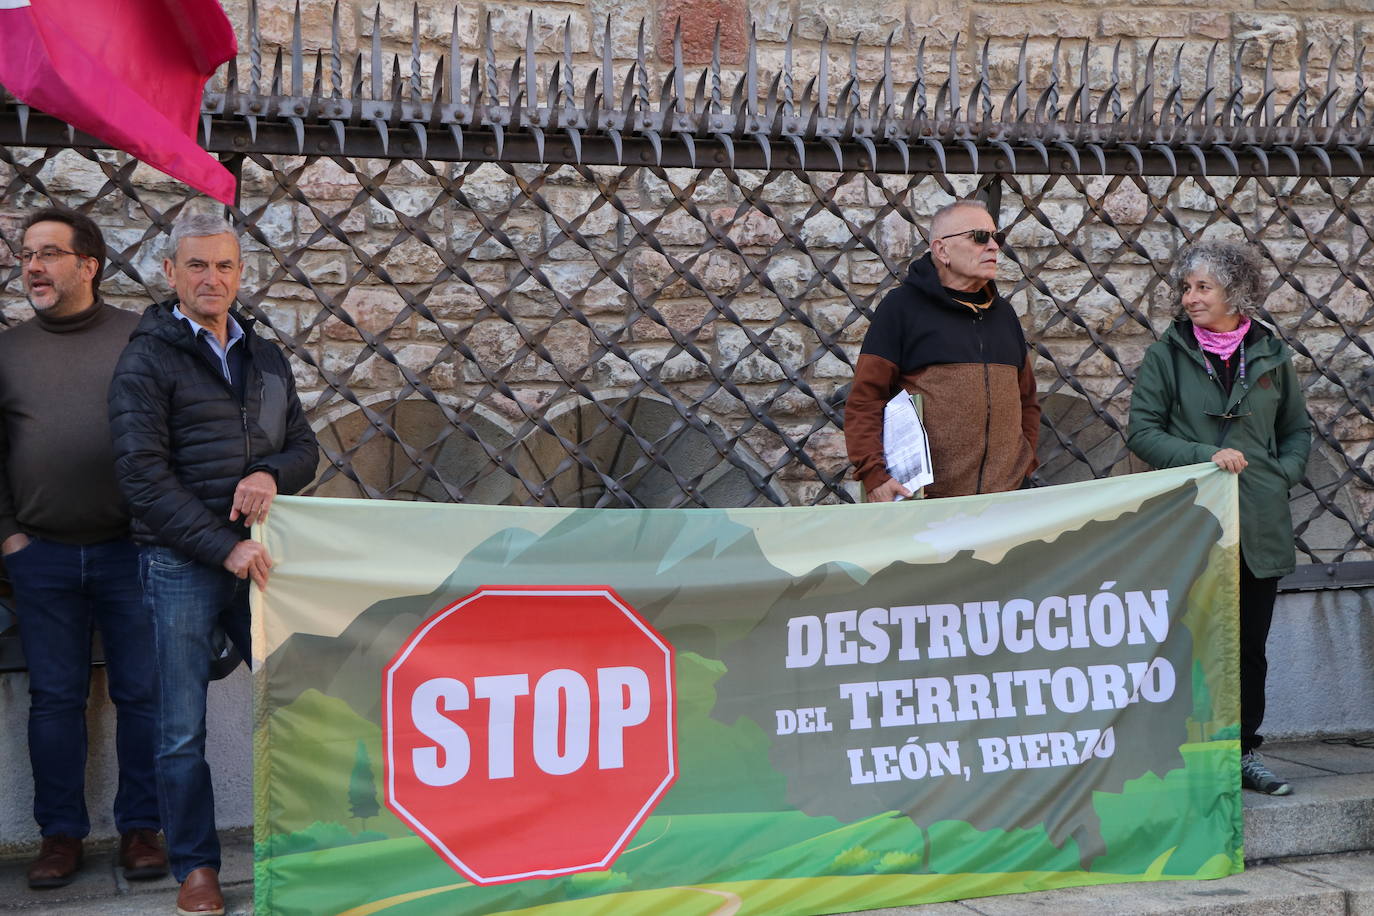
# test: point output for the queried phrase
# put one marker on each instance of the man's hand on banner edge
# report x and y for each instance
(888, 491)
(253, 497)
(249, 558)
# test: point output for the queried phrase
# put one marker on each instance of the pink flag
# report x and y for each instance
(128, 72)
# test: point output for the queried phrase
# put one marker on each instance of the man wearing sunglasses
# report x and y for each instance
(944, 333)
(64, 533)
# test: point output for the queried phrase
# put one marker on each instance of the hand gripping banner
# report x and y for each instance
(481, 710)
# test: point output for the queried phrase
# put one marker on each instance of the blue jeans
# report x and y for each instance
(187, 600)
(60, 592)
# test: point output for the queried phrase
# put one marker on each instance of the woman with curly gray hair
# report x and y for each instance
(1220, 387)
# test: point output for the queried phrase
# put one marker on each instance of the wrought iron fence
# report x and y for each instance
(549, 279)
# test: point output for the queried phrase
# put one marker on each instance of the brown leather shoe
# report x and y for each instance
(141, 854)
(57, 862)
(200, 895)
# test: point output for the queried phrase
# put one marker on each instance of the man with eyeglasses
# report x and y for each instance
(944, 333)
(64, 534)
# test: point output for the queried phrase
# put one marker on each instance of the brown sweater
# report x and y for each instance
(57, 477)
(973, 372)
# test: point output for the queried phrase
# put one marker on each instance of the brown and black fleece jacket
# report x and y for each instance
(971, 368)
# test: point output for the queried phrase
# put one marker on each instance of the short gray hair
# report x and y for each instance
(1232, 266)
(970, 203)
(197, 225)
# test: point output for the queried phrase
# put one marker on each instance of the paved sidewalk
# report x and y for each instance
(100, 888)
(1314, 855)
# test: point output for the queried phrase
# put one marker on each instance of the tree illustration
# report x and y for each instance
(362, 790)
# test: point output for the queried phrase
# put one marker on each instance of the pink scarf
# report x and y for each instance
(1222, 343)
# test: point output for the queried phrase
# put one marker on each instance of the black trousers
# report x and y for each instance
(1256, 614)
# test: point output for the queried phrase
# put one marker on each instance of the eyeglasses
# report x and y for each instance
(980, 236)
(46, 255)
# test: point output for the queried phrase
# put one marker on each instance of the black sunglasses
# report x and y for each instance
(980, 236)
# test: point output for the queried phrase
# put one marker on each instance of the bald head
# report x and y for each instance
(951, 214)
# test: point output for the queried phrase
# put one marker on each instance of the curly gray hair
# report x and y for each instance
(1232, 266)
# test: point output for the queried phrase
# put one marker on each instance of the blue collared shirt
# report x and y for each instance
(205, 334)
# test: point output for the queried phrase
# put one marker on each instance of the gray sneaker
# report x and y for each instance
(1256, 776)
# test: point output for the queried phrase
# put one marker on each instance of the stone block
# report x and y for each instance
(999, 22)
(869, 20)
(700, 19)
(1268, 32)
(425, 361)
(378, 310)
(412, 261)
(625, 18)
(276, 22)
(509, 25)
(688, 318)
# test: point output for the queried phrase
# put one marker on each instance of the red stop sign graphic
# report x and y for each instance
(529, 730)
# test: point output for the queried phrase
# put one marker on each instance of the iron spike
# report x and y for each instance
(1229, 156)
(298, 126)
(729, 143)
(457, 132)
(800, 148)
(939, 149)
(691, 145)
(1354, 156)
(492, 82)
(1292, 157)
(607, 74)
(920, 85)
(1268, 97)
(1198, 155)
(823, 76)
(1325, 159)
(455, 56)
(1101, 157)
(338, 127)
(1053, 91)
(835, 148)
(356, 85)
(1302, 82)
(642, 63)
(715, 72)
(317, 85)
(231, 78)
(415, 80)
(498, 134)
(953, 81)
(887, 73)
(1022, 105)
(679, 76)
(377, 52)
(855, 100)
(254, 51)
(1147, 92)
(1008, 152)
(751, 73)
(553, 92)
(277, 73)
(787, 87)
(1085, 83)
(1039, 147)
(382, 133)
(297, 56)
(1176, 90)
(904, 152)
(531, 85)
(1007, 101)
(1073, 155)
(1235, 106)
(872, 151)
(972, 150)
(1115, 93)
(205, 121)
(436, 111)
(1332, 90)
(335, 62)
(657, 143)
(1263, 157)
(253, 128)
(569, 86)
(1168, 155)
(538, 134)
(1211, 83)
(575, 140)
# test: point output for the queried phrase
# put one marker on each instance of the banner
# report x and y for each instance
(480, 710)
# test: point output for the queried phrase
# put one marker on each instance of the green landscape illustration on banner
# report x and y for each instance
(855, 728)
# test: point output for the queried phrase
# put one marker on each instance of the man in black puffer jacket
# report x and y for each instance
(207, 430)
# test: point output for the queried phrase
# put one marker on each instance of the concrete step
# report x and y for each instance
(1319, 886)
(1331, 809)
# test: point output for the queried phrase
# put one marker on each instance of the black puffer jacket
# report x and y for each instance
(183, 441)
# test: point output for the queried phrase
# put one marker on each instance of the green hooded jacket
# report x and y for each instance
(1176, 419)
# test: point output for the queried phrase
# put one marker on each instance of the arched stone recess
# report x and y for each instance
(647, 457)
(1076, 443)
(652, 464)
(361, 458)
